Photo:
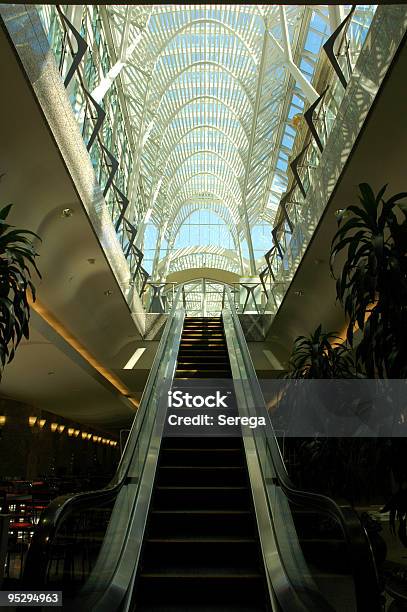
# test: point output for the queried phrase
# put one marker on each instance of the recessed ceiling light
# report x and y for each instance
(91, 260)
(67, 212)
(134, 358)
(300, 292)
(108, 293)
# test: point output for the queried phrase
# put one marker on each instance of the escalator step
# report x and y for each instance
(198, 443)
(215, 357)
(202, 456)
(197, 372)
(201, 375)
(201, 475)
(204, 330)
(181, 587)
(193, 606)
(205, 498)
(197, 363)
(200, 554)
(201, 523)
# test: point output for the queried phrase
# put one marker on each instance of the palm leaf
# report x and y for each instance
(17, 258)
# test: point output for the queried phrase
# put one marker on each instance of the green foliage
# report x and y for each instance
(317, 357)
(17, 255)
(372, 285)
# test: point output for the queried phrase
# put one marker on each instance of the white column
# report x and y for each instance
(286, 55)
(126, 51)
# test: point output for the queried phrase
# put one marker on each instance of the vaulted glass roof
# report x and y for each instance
(211, 92)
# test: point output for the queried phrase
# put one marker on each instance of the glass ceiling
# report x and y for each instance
(211, 92)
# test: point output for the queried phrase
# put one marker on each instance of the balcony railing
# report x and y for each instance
(206, 297)
(297, 218)
(98, 123)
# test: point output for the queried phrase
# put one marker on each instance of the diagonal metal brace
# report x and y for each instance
(308, 116)
(328, 47)
(80, 41)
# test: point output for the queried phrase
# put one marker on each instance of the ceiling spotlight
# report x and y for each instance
(91, 260)
(108, 293)
(66, 213)
(300, 292)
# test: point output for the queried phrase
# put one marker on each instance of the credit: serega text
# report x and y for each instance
(205, 420)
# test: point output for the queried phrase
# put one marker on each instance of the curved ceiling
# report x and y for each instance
(209, 89)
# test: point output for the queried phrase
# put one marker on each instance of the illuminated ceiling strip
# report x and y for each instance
(57, 326)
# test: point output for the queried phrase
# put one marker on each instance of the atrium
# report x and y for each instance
(198, 211)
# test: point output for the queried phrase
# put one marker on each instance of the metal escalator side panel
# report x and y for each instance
(361, 561)
(114, 571)
(65, 540)
(288, 580)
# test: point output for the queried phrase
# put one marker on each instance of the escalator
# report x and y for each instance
(201, 541)
(203, 522)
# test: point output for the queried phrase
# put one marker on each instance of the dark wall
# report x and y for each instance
(33, 452)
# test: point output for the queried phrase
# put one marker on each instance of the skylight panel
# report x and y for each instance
(196, 69)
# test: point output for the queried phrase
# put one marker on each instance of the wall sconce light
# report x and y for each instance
(89, 436)
(76, 433)
(94, 438)
(32, 420)
(41, 423)
(61, 428)
(84, 435)
(2, 420)
(71, 431)
(104, 440)
(99, 438)
(54, 426)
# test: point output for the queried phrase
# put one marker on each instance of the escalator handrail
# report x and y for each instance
(58, 510)
(364, 572)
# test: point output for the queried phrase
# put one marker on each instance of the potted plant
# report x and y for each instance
(320, 355)
(372, 285)
(308, 408)
(17, 258)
